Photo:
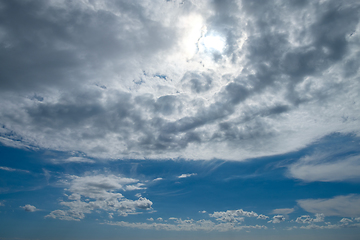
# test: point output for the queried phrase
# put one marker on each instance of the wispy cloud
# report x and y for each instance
(186, 175)
(343, 206)
(14, 170)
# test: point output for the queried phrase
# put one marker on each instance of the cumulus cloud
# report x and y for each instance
(234, 216)
(262, 216)
(343, 206)
(101, 193)
(89, 83)
(319, 217)
(277, 219)
(29, 208)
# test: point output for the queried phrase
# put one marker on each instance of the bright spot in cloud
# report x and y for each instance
(213, 42)
(192, 27)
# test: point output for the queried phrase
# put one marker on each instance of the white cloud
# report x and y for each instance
(13, 169)
(29, 208)
(188, 225)
(280, 83)
(157, 179)
(319, 217)
(262, 216)
(186, 175)
(233, 216)
(346, 220)
(343, 206)
(72, 160)
(317, 168)
(331, 226)
(101, 193)
(284, 211)
(277, 219)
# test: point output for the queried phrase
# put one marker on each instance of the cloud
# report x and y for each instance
(234, 216)
(307, 219)
(262, 216)
(29, 208)
(72, 160)
(101, 192)
(331, 226)
(188, 225)
(282, 81)
(343, 206)
(13, 169)
(323, 167)
(284, 211)
(186, 175)
(157, 179)
(277, 219)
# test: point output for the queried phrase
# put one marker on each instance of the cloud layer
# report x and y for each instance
(120, 79)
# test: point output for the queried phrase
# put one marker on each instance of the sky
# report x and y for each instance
(179, 119)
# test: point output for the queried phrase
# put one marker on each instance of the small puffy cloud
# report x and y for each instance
(29, 208)
(262, 216)
(319, 217)
(137, 186)
(202, 211)
(277, 219)
(157, 179)
(233, 215)
(343, 206)
(150, 219)
(69, 215)
(186, 175)
(160, 219)
(346, 220)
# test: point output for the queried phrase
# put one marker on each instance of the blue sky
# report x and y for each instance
(179, 119)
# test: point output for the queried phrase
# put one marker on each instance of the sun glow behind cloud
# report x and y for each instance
(212, 42)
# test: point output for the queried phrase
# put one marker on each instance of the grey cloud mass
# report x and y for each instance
(123, 79)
